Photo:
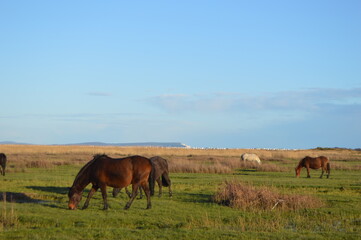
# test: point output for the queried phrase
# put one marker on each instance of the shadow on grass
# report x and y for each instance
(18, 198)
(51, 189)
(196, 198)
(252, 172)
(59, 190)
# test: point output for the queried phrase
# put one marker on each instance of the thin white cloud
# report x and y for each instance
(307, 100)
(99, 94)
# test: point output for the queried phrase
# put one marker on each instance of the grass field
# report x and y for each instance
(39, 177)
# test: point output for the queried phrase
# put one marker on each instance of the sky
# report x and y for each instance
(218, 74)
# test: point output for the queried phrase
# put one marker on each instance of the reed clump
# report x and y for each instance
(246, 197)
(8, 219)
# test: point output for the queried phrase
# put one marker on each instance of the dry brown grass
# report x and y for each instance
(264, 154)
(206, 164)
(189, 166)
(343, 166)
(243, 196)
(21, 157)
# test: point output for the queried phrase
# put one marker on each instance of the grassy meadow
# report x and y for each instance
(38, 177)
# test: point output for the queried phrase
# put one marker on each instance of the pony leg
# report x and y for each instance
(328, 170)
(169, 183)
(147, 194)
(170, 191)
(103, 188)
(323, 170)
(159, 181)
(128, 193)
(116, 191)
(134, 194)
(90, 195)
(308, 172)
(140, 193)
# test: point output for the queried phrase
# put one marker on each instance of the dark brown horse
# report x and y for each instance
(2, 163)
(104, 171)
(161, 175)
(314, 163)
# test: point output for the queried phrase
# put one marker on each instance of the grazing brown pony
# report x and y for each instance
(161, 175)
(314, 163)
(104, 171)
(2, 163)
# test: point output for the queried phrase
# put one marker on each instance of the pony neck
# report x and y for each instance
(82, 179)
(80, 183)
(299, 166)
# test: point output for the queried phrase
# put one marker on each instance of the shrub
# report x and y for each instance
(243, 196)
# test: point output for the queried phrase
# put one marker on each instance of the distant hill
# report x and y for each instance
(13, 143)
(141, 144)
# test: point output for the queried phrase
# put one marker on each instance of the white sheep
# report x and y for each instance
(250, 157)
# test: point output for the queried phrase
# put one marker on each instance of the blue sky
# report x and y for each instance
(236, 74)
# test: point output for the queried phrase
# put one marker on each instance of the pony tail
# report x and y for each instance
(328, 169)
(165, 180)
(152, 179)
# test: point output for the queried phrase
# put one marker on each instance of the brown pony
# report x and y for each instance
(314, 163)
(2, 163)
(104, 171)
(161, 175)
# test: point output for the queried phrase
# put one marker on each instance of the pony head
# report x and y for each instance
(74, 198)
(298, 171)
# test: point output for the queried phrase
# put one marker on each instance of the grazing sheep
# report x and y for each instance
(250, 157)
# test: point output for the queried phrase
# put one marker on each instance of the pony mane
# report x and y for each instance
(84, 168)
(97, 156)
(301, 162)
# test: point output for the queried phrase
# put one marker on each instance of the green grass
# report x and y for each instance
(190, 214)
